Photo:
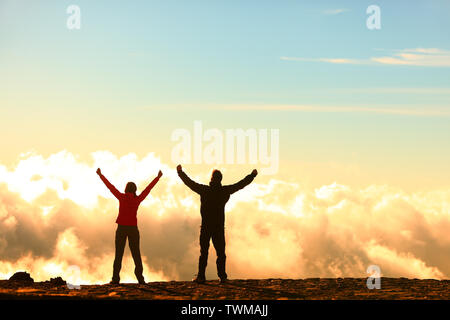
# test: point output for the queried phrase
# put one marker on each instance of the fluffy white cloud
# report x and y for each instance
(56, 213)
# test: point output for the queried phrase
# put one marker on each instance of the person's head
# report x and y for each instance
(216, 176)
(131, 188)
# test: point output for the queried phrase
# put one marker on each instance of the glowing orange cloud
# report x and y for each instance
(55, 213)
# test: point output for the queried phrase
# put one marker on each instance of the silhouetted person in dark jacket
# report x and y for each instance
(127, 225)
(213, 199)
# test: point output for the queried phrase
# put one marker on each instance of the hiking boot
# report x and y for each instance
(223, 280)
(199, 279)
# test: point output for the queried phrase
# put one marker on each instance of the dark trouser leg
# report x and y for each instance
(218, 238)
(133, 241)
(205, 236)
(121, 238)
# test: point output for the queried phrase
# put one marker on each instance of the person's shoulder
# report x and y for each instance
(125, 196)
(222, 189)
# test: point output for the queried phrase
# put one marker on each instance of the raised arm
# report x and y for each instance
(194, 186)
(232, 188)
(108, 184)
(147, 190)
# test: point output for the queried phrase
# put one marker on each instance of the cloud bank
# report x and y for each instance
(422, 57)
(333, 12)
(55, 213)
(425, 111)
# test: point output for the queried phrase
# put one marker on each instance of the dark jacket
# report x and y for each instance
(213, 198)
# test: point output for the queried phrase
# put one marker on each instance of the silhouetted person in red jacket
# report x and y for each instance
(127, 225)
(213, 199)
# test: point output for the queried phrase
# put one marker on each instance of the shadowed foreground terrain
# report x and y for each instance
(270, 289)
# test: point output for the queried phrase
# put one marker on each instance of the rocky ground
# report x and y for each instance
(266, 289)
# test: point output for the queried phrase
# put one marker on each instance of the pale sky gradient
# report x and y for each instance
(138, 70)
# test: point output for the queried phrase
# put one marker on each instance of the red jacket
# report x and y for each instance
(128, 202)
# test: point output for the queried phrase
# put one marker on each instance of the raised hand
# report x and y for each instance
(255, 172)
(160, 174)
(99, 172)
(179, 168)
